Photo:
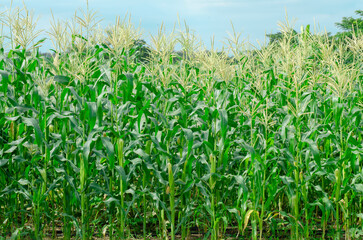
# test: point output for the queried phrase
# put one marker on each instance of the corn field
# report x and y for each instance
(98, 140)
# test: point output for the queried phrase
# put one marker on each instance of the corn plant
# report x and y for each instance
(101, 141)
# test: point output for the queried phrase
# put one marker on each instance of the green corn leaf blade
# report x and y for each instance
(110, 150)
(100, 113)
(63, 80)
(224, 121)
(35, 124)
(121, 171)
(92, 112)
(189, 136)
(157, 145)
(3, 162)
(75, 94)
(314, 150)
(358, 187)
(111, 200)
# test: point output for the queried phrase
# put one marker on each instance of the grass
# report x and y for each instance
(108, 139)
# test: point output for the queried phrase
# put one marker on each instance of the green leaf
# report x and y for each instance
(92, 111)
(23, 182)
(110, 151)
(121, 172)
(39, 136)
(224, 121)
(314, 150)
(3, 162)
(64, 80)
(358, 187)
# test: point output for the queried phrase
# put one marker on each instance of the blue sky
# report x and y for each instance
(253, 18)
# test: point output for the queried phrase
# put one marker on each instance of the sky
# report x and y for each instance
(252, 18)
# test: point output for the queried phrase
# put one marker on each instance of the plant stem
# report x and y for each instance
(172, 199)
(120, 151)
(83, 177)
(211, 186)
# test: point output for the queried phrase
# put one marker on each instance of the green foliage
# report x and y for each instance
(277, 37)
(350, 26)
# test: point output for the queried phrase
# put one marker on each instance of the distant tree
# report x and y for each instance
(276, 37)
(142, 50)
(350, 26)
(350, 23)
